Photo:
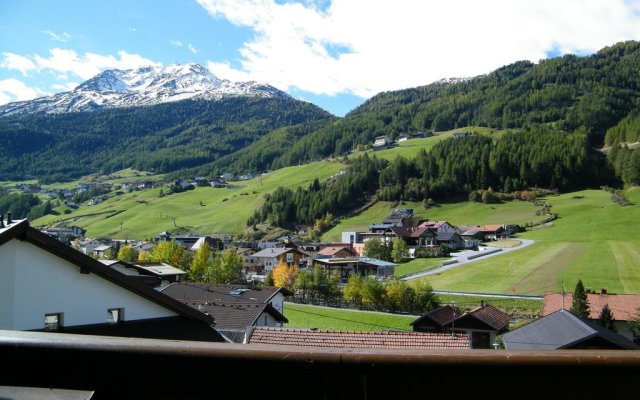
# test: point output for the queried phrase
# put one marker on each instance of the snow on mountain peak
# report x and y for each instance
(143, 86)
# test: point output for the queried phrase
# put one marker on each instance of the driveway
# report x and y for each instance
(469, 256)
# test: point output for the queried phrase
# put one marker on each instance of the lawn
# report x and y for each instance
(308, 316)
(593, 239)
(411, 147)
(144, 214)
(418, 265)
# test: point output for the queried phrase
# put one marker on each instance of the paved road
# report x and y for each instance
(463, 258)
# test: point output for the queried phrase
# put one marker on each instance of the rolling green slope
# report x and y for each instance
(593, 239)
(144, 214)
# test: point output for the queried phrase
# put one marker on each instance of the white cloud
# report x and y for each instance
(192, 49)
(64, 61)
(367, 46)
(176, 43)
(64, 37)
(15, 90)
(17, 62)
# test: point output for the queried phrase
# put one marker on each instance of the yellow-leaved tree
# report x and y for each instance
(284, 276)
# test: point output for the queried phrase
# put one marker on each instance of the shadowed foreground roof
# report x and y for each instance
(563, 330)
(348, 339)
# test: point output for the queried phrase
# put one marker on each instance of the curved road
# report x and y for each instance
(463, 258)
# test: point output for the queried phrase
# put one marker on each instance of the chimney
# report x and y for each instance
(9, 221)
(603, 291)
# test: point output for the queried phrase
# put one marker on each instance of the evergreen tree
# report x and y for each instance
(580, 305)
(606, 318)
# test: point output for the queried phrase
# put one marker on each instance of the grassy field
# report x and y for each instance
(144, 214)
(410, 148)
(308, 316)
(419, 264)
(593, 239)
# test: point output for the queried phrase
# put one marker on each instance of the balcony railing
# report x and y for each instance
(161, 369)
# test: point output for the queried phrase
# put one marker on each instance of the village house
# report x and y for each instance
(269, 258)
(348, 266)
(481, 324)
(66, 234)
(381, 142)
(46, 285)
(625, 308)
(401, 138)
(336, 251)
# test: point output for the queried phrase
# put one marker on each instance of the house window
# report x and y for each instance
(115, 315)
(265, 320)
(289, 257)
(52, 321)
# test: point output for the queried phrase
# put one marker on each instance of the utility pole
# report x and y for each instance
(453, 321)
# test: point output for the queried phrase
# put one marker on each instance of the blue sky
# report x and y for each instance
(335, 54)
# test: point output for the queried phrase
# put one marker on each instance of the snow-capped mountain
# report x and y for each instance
(142, 87)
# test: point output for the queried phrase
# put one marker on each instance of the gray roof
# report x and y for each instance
(561, 330)
(272, 252)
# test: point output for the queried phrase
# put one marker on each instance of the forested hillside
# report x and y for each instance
(587, 94)
(163, 138)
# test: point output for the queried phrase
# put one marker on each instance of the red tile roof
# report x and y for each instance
(330, 251)
(348, 339)
(490, 228)
(624, 307)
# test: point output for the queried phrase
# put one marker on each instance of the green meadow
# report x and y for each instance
(144, 214)
(593, 239)
(409, 148)
(308, 316)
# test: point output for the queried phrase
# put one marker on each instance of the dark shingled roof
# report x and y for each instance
(201, 292)
(440, 316)
(564, 330)
(237, 315)
(491, 316)
(366, 340)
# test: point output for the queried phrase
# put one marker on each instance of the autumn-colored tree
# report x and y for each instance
(398, 295)
(285, 275)
(144, 256)
(126, 253)
(425, 299)
(373, 293)
(200, 264)
(352, 291)
(226, 268)
(169, 252)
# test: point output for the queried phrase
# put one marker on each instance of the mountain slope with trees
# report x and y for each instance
(163, 138)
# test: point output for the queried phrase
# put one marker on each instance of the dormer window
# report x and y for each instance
(53, 321)
(115, 315)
